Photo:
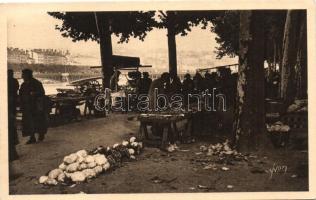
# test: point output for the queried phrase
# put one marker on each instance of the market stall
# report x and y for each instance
(167, 124)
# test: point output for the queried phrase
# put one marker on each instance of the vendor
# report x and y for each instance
(144, 84)
(161, 85)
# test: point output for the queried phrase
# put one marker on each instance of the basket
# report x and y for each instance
(297, 121)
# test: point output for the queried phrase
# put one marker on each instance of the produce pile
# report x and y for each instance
(84, 165)
(298, 106)
(223, 151)
(279, 134)
(278, 127)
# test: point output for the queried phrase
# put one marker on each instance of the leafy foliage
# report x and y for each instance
(182, 21)
(226, 26)
(125, 24)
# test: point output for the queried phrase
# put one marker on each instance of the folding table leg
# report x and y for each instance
(140, 135)
(164, 141)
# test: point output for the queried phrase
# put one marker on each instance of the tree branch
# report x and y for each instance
(163, 14)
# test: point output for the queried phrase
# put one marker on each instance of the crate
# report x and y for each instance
(296, 121)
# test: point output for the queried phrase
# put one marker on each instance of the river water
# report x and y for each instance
(50, 87)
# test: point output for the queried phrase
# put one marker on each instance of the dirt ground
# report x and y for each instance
(154, 171)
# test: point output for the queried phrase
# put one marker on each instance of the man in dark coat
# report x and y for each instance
(162, 86)
(198, 83)
(187, 85)
(144, 84)
(175, 85)
(13, 87)
(34, 106)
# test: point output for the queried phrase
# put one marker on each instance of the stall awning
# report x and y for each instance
(217, 67)
(125, 62)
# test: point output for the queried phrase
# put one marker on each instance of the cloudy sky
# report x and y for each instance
(37, 30)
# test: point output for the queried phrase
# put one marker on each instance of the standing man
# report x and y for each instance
(144, 83)
(114, 81)
(13, 87)
(187, 87)
(34, 106)
(161, 86)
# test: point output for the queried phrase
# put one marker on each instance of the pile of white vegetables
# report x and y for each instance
(218, 149)
(278, 127)
(83, 165)
(299, 105)
(223, 151)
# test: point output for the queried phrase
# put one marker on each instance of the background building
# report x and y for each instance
(38, 56)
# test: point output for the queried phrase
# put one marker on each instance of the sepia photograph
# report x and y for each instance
(158, 100)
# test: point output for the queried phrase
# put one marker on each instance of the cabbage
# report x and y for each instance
(51, 181)
(71, 158)
(100, 159)
(68, 175)
(43, 179)
(134, 144)
(78, 177)
(125, 143)
(82, 153)
(106, 166)
(80, 159)
(54, 173)
(61, 177)
(72, 167)
(91, 164)
(132, 139)
(131, 151)
(227, 148)
(62, 166)
(82, 166)
(98, 169)
(89, 159)
(89, 173)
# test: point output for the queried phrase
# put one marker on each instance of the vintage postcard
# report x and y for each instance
(161, 100)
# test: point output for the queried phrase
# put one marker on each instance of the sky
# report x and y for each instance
(37, 30)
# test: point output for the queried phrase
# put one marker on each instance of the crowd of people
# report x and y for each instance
(223, 81)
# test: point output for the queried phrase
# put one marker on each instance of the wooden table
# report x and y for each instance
(67, 103)
(168, 124)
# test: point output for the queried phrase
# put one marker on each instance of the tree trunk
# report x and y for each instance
(274, 55)
(172, 49)
(301, 67)
(289, 57)
(103, 27)
(249, 113)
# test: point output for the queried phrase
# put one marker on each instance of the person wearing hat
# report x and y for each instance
(34, 107)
